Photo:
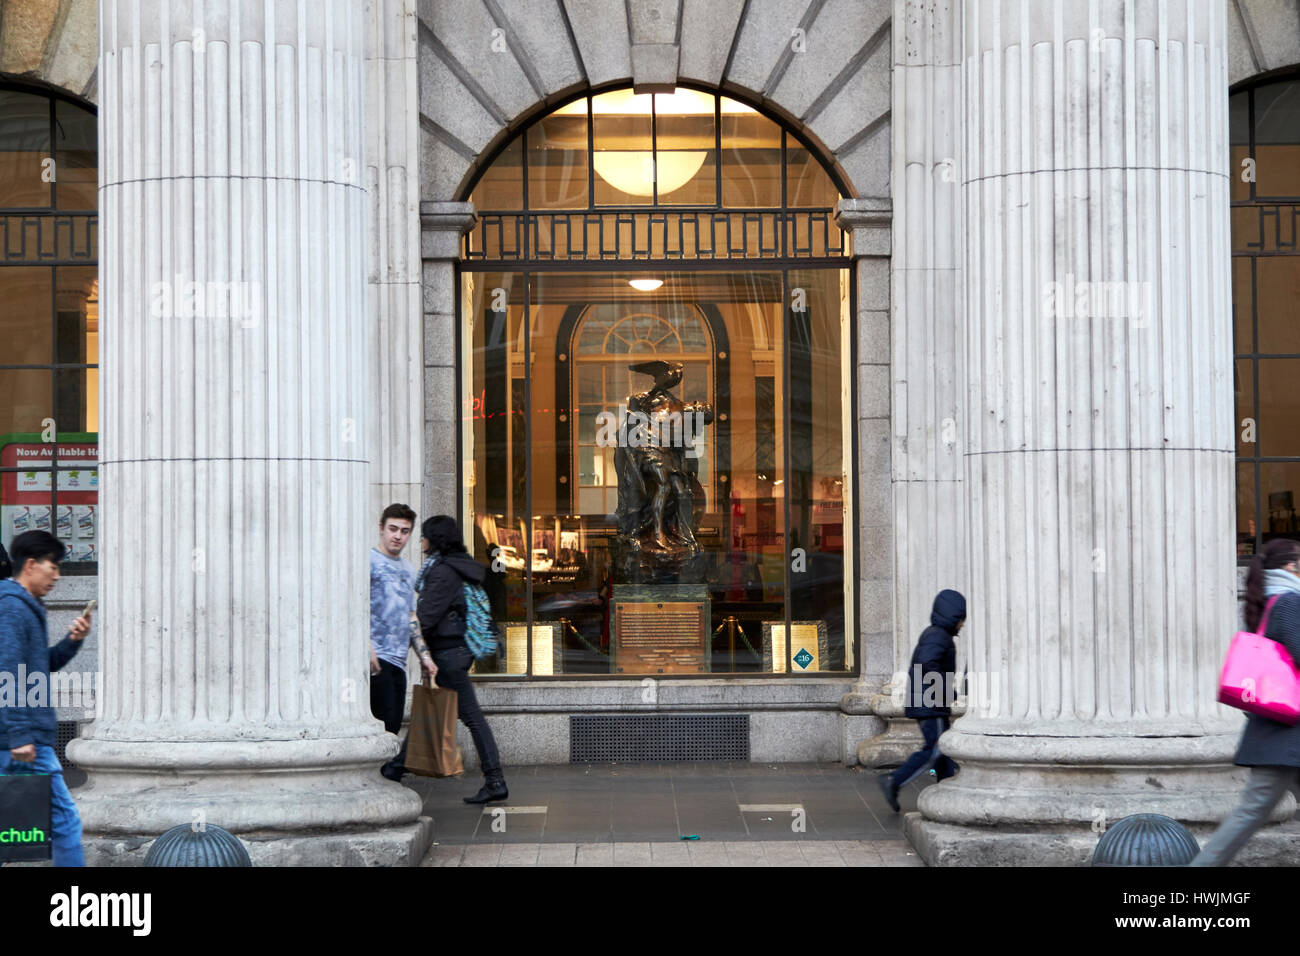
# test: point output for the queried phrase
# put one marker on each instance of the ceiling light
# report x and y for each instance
(645, 285)
(636, 171)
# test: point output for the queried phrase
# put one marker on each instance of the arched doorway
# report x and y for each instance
(686, 229)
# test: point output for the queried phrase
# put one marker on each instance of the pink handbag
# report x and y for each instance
(1259, 676)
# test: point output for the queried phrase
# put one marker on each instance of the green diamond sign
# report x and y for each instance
(803, 658)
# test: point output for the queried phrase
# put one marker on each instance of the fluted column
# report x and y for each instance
(234, 390)
(393, 260)
(1099, 445)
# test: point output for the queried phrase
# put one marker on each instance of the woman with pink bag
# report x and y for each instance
(1271, 749)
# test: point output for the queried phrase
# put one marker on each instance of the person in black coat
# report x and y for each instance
(930, 692)
(441, 610)
(1271, 749)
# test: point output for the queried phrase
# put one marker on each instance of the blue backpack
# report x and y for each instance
(481, 633)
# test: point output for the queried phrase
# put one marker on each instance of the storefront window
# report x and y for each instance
(656, 400)
(49, 326)
(1264, 124)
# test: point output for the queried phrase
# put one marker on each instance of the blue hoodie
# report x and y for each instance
(24, 640)
(936, 653)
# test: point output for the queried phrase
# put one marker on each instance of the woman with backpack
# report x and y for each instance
(442, 609)
(1270, 749)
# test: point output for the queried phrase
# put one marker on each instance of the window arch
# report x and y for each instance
(49, 367)
(739, 184)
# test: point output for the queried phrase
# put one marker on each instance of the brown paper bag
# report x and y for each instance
(431, 749)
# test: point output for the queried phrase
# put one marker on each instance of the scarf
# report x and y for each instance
(1280, 581)
(432, 559)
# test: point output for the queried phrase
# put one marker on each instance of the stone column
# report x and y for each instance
(868, 222)
(441, 226)
(234, 390)
(1098, 433)
(923, 356)
(393, 261)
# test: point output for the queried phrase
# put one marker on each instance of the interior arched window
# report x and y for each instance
(676, 255)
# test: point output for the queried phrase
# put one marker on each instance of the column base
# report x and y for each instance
(404, 845)
(946, 844)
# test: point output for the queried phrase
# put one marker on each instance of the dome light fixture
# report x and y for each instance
(645, 285)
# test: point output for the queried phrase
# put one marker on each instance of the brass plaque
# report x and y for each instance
(661, 637)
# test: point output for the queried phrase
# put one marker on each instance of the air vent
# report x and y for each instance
(659, 738)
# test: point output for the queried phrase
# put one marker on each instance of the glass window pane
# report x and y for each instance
(751, 157)
(819, 469)
(1245, 509)
(1277, 284)
(557, 159)
(76, 155)
(807, 184)
(502, 186)
(1243, 303)
(496, 445)
(1244, 396)
(1279, 408)
(27, 327)
(25, 400)
(1277, 114)
(24, 145)
(685, 148)
(623, 144)
(77, 305)
(1279, 494)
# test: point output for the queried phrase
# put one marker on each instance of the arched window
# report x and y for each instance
(49, 323)
(1265, 135)
(673, 256)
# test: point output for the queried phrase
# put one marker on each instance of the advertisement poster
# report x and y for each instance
(27, 500)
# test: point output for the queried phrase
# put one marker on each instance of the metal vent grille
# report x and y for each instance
(659, 738)
(67, 730)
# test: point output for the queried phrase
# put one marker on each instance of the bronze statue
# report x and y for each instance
(657, 488)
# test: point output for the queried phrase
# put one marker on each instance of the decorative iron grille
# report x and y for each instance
(640, 234)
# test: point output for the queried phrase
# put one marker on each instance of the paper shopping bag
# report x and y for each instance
(24, 817)
(431, 749)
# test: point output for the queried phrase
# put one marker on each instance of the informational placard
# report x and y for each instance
(27, 486)
(807, 647)
(545, 657)
(668, 636)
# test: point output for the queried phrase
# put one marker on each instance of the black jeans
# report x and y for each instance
(453, 673)
(388, 695)
(928, 756)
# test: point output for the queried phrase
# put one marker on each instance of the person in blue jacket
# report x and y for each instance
(930, 692)
(28, 723)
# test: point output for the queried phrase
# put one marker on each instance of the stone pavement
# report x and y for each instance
(748, 814)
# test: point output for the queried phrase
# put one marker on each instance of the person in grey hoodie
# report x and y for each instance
(441, 610)
(28, 723)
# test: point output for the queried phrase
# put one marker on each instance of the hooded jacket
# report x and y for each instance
(26, 714)
(935, 654)
(441, 606)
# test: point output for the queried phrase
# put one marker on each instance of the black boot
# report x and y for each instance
(494, 788)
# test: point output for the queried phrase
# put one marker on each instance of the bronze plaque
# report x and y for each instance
(661, 637)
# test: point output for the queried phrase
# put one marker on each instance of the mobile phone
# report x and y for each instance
(89, 607)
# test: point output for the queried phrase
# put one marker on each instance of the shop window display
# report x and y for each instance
(49, 327)
(654, 363)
